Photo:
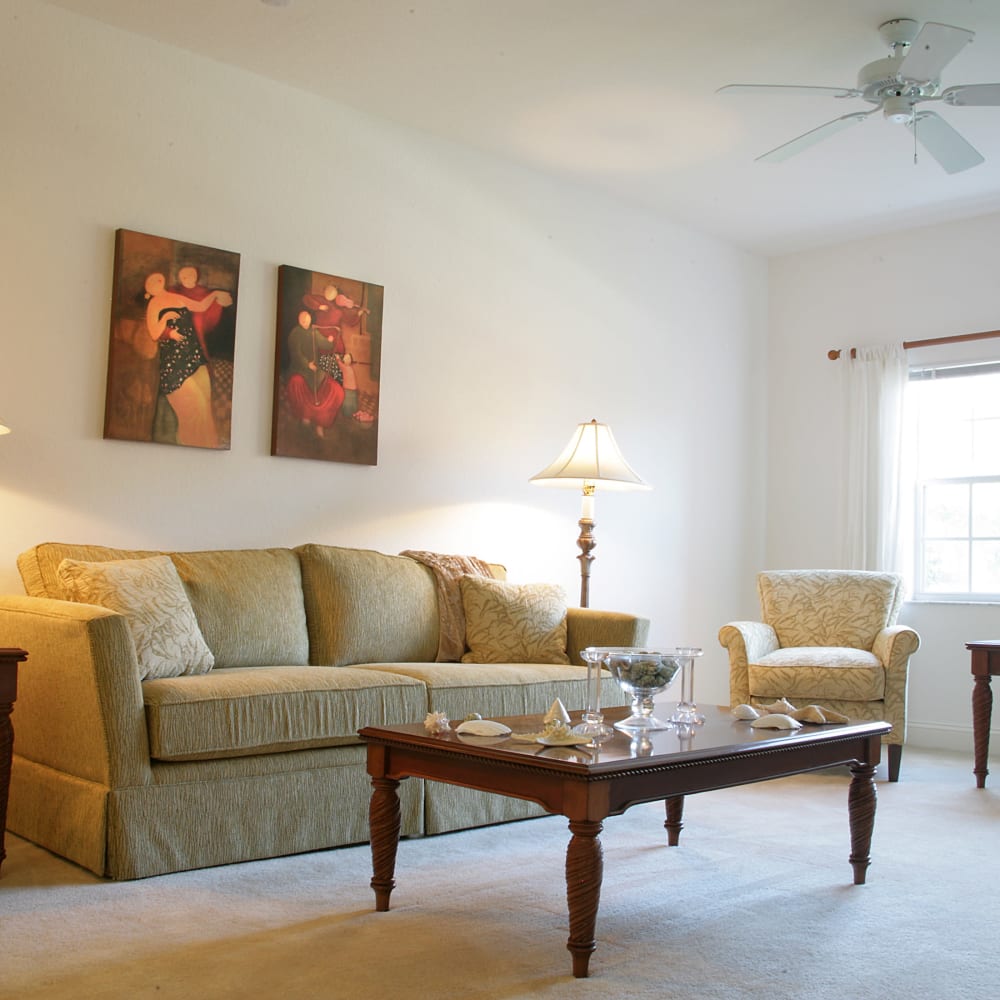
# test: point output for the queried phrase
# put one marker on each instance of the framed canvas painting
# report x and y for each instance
(173, 337)
(328, 356)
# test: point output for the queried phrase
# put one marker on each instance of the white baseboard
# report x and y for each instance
(938, 736)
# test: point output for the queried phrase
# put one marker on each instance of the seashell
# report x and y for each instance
(781, 707)
(811, 713)
(557, 710)
(483, 727)
(745, 713)
(830, 714)
(563, 739)
(777, 720)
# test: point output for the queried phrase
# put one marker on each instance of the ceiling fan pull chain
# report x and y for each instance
(914, 131)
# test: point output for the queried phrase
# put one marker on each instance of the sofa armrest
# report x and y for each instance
(746, 642)
(79, 708)
(591, 627)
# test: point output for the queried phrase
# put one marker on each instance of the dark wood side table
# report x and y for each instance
(9, 659)
(985, 662)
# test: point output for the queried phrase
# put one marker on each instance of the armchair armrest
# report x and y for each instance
(591, 627)
(80, 706)
(745, 641)
(894, 646)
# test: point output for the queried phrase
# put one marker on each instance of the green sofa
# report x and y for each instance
(259, 756)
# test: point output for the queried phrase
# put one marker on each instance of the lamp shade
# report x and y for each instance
(591, 458)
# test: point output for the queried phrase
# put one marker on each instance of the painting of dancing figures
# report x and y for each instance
(327, 364)
(173, 338)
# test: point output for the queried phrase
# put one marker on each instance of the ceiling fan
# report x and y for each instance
(897, 86)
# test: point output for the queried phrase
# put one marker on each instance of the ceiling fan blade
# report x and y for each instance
(953, 152)
(932, 50)
(973, 95)
(789, 89)
(818, 134)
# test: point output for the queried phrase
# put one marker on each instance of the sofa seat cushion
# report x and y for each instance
(498, 689)
(818, 672)
(237, 711)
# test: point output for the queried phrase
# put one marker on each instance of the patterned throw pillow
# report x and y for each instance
(149, 593)
(513, 623)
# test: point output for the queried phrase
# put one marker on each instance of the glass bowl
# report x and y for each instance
(642, 674)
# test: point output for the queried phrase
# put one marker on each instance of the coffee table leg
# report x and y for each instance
(383, 823)
(673, 824)
(861, 811)
(584, 872)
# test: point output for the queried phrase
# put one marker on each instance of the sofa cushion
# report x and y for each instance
(227, 588)
(363, 606)
(249, 604)
(497, 689)
(513, 623)
(149, 593)
(237, 711)
(816, 673)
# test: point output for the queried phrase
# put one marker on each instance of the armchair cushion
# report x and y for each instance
(829, 607)
(818, 672)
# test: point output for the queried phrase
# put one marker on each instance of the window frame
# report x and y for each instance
(917, 538)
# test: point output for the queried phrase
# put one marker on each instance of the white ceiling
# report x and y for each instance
(621, 95)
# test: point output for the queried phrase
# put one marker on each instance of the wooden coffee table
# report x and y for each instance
(589, 785)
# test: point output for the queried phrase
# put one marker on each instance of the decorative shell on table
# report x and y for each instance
(557, 712)
(818, 715)
(776, 720)
(745, 713)
(436, 722)
(483, 727)
(780, 707)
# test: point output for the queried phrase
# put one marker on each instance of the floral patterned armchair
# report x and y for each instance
(829, 638)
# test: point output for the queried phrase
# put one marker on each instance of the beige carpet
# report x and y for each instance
(756, 902)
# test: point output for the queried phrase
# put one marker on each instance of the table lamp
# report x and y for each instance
(591, 459)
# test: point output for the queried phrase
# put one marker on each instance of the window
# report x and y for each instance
(953, 459)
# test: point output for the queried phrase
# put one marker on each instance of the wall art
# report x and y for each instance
(173, 337)
(328, 356)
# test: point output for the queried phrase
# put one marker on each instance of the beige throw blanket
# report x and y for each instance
(448, 571)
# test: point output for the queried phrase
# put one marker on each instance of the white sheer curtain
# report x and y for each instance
(876, 382)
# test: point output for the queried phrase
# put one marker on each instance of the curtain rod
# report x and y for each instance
(933, 341)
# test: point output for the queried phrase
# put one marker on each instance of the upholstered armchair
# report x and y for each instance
(828, 638)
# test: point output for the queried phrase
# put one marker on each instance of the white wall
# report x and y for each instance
(515, 308)
(930, 282)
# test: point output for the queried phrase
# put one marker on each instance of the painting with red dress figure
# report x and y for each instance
(173, 336)
(328, 356)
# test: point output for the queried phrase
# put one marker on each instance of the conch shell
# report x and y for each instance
(776, 720)
(557, 711)
(781, 707)
(745, 713)
(818, 715)
(811, 713)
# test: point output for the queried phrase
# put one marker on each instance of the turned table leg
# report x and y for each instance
(861, 811)
(383, 822)
(584, 872)
(982, 712)
(673, 824)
